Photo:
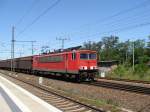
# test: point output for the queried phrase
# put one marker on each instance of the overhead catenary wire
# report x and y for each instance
(117, 30)
(122, 29)
(26, 13)
(38, 17)
(127, 21)
(87, 36)
(141, 5)
(110, 17)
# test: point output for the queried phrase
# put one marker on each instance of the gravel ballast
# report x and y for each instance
(120, 99)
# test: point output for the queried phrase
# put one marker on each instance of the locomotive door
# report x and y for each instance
(35, 62)
(72, 62)
(66, 62)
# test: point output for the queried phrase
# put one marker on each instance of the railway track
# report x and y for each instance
(118, 86)
(66, 104)
(124, 87)
(127, 80)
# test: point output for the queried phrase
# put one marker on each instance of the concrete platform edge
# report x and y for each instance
(20, 104)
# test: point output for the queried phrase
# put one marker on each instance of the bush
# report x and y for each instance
(144, 59)
(142, 72)
(140, 68)
(120, 70)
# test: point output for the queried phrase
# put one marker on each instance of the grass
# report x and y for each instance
(142, 72)
(109, 104)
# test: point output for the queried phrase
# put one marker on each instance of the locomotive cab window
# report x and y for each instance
(73, 56)
(84, 56)
(92, 56)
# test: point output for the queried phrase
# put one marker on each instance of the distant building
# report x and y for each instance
(108, 63)
(107, 66)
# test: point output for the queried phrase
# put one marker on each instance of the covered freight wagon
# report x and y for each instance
(5, 64)
(23, 63)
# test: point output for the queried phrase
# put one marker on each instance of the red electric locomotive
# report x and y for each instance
(79, 64)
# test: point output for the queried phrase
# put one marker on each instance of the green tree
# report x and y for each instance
(87, 45)
(109, 47)
(139, 50)
(123, 49)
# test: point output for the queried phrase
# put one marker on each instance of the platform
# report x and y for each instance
(13, 98)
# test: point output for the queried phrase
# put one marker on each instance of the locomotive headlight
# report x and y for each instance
(91, 67)
(83, 68)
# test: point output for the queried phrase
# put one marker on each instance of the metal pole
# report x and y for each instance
(63, 44)
(63, 41)
(126, 55)
(12, 49)
(32, 45)
(133, 55)
(32, 48)
(126, 46)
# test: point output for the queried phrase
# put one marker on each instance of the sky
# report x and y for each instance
(78, 21)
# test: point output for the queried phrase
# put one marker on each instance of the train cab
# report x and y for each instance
(87, 63)
(87, 60)
(82, 63)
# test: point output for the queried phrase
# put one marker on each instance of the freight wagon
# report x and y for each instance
(19, 64)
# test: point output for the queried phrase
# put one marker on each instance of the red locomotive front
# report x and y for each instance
(79, 64)
(87, 64)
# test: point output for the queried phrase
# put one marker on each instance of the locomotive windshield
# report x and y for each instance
(87, 56)
(92, 56)
(84, 56)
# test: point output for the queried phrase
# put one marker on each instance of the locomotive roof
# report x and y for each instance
(58, 53)
(54, 53)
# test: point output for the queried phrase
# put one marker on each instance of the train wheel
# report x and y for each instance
(78, 78)
(92, 78)
(64, 76)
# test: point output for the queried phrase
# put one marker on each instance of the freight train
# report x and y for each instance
(78, 64)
